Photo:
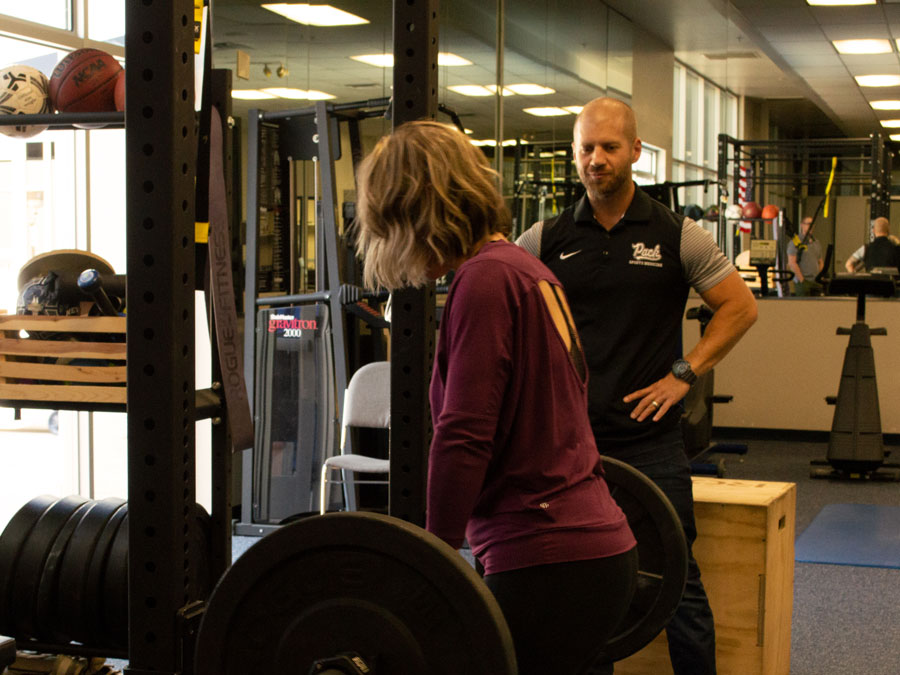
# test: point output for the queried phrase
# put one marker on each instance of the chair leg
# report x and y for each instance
(349, 489)
(323, 490)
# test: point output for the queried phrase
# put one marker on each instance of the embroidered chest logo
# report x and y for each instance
(643, 255)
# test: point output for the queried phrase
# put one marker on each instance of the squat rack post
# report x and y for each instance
(413, 310)
(161, 153)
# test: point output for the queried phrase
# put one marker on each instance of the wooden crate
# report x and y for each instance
(745, 549)
(45, 370)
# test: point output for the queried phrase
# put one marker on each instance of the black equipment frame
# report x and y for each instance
(811, 155)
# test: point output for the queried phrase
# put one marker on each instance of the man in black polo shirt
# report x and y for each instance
(880, 252)
(627, 264)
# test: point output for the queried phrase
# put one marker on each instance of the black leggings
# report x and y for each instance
(561, 615)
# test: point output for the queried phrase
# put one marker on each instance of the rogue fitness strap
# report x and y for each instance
(227, 335)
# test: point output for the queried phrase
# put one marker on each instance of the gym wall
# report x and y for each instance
(791, 359)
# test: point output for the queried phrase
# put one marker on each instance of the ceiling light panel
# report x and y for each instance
(250, 94)
(878, 80)
(546, 111)
(470, 90)
(862, 46)
(890, 124)
(530, 89)
(315, 15)
(838, 3)
(287, 92)
(387, 60)
(885, 105)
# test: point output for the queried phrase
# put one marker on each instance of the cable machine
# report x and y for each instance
(757, 170)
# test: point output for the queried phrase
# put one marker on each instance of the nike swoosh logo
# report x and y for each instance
(563, 256)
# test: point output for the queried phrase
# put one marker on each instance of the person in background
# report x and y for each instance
(805, 261)
(882, 251)
(513, 466)
(627, 263)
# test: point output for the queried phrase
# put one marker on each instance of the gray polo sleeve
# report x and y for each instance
(702, 260)
(859, 253)
(530, 239)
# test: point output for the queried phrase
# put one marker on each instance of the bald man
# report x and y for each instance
(882, 251)
(627, 263)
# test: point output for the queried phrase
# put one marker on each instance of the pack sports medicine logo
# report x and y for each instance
(649, 257)
(290, 326)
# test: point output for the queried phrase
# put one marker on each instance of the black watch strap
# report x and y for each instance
(682, 370)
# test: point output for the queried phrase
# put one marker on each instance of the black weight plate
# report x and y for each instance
(48, 591)
(93, 609)
(7, 652)
(14, 535)
(115, 589)
(34, 553)
(662, 558)
(75, 563)
(200, 535)
(353, 582)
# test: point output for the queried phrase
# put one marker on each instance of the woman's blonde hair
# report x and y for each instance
(425, 197)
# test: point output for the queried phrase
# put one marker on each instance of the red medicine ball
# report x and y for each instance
(769, 212)
(751, 210)
(85, 81)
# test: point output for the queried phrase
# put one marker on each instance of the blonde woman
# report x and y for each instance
(513, 464)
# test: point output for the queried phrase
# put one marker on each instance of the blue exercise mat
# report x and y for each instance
(852, 534)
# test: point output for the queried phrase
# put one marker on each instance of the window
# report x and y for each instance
(53, 13)
(702, 110)
(650, 167)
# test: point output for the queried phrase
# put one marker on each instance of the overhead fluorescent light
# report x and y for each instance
(470, 90)
(894, 137)
(878, 80)
(297, 94)
(838, 3)
(493, 89)
(862, 46)
(574, 109)
(546, 112)
(387, 60)
(527, 89)
(315, 15)
(885, 105)
(452, 60)
(287, 92)
(379, 60)
(490, 142)
(890, 124)
(250, 94)
(315, 95)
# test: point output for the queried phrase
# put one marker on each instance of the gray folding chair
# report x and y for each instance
(367, 403)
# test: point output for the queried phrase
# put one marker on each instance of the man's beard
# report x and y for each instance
(608, 186)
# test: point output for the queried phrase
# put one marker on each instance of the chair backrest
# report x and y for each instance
(367, 402)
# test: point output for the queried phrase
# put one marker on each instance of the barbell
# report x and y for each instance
(359, 592)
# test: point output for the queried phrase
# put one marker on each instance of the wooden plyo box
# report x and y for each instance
(745, 549)
(63, 371)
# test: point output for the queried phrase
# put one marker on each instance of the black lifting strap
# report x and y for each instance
(227, 334)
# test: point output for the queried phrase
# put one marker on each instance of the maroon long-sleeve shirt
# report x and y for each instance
(513, 466)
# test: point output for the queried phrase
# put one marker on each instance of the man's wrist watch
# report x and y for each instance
(682, 370)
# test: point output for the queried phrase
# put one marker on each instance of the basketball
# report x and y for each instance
(119, 93)
(769, 212)
(85, 81)
(751, 210)
(23, 91)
